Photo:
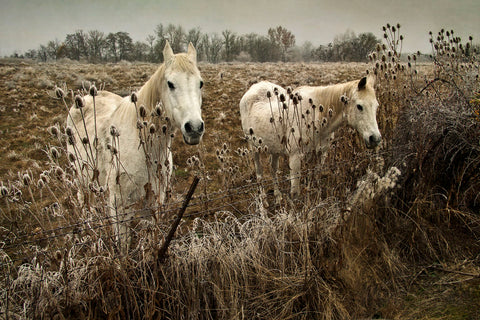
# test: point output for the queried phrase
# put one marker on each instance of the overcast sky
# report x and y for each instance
(26, 24)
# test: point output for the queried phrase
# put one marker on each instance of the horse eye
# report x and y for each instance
(171, 85)
(359, 107)
(201, 84)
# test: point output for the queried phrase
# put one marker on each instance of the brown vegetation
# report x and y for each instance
(393, 233)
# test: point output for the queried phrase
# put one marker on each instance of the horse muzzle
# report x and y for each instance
(193, 132)
(373, 141)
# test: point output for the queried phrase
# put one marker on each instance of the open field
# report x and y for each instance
(349, 248)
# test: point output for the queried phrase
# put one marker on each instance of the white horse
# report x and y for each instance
(131, 153)
(294, 123)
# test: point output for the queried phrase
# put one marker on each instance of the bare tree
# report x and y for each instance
(229, 42)
(151, 53)
(282, 38)
(96, 45)
(194, 36)
(125, 45)
(176, 37)
(140, 51)
(76, 45)
(52, 48)
(112, 50)
(212, 46)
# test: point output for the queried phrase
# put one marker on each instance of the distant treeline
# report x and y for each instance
(278, 45)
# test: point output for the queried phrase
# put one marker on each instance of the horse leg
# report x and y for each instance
(259, 174)
(325, 145)
(258, 166)
(294, 162)
(276, 192)
(166, 174)
(118, 216)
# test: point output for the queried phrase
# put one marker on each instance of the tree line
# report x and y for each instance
(278, 44)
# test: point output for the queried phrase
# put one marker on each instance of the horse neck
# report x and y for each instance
(150, 93)
(330, 98)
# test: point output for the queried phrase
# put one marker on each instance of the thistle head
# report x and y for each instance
(134, 97)
(142, 111)
(93, 90)
(54, 152)
(26, 179)
(79, 102)
(59, 93)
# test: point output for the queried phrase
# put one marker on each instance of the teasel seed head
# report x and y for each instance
(142, 111)
(158, 111)
(93, 90)
(44, 176)
(152, 128)
(250, 131)
(269, 94)
(282, 97)
(85, 140)
(58, 255)
(53, 130)
(55, 153)
(59, 172)
(139, 124)
(114, 131)
(71, 157)
(134, 97)
(40, 184)
(59, 93)
(79, 103)
(69, 131)
(26, 179)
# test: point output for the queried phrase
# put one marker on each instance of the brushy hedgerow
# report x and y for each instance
(355, 249)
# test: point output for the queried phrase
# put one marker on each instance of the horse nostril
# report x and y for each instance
(188, 127)
(374, 140)
(200, 130)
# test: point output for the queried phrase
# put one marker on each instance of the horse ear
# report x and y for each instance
(192, 53)
(371, 79)
(167, 52)
(362, 83)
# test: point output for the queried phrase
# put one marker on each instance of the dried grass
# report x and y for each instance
(364, 246)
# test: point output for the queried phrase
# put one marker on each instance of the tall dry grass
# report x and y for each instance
(356, 249)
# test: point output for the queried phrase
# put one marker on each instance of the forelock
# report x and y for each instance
(181, 62)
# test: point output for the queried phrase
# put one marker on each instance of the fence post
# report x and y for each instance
(163, 249)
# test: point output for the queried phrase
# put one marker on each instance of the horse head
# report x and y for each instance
(362, 112)
(182, 94)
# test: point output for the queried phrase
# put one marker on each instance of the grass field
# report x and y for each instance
(363, 241)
